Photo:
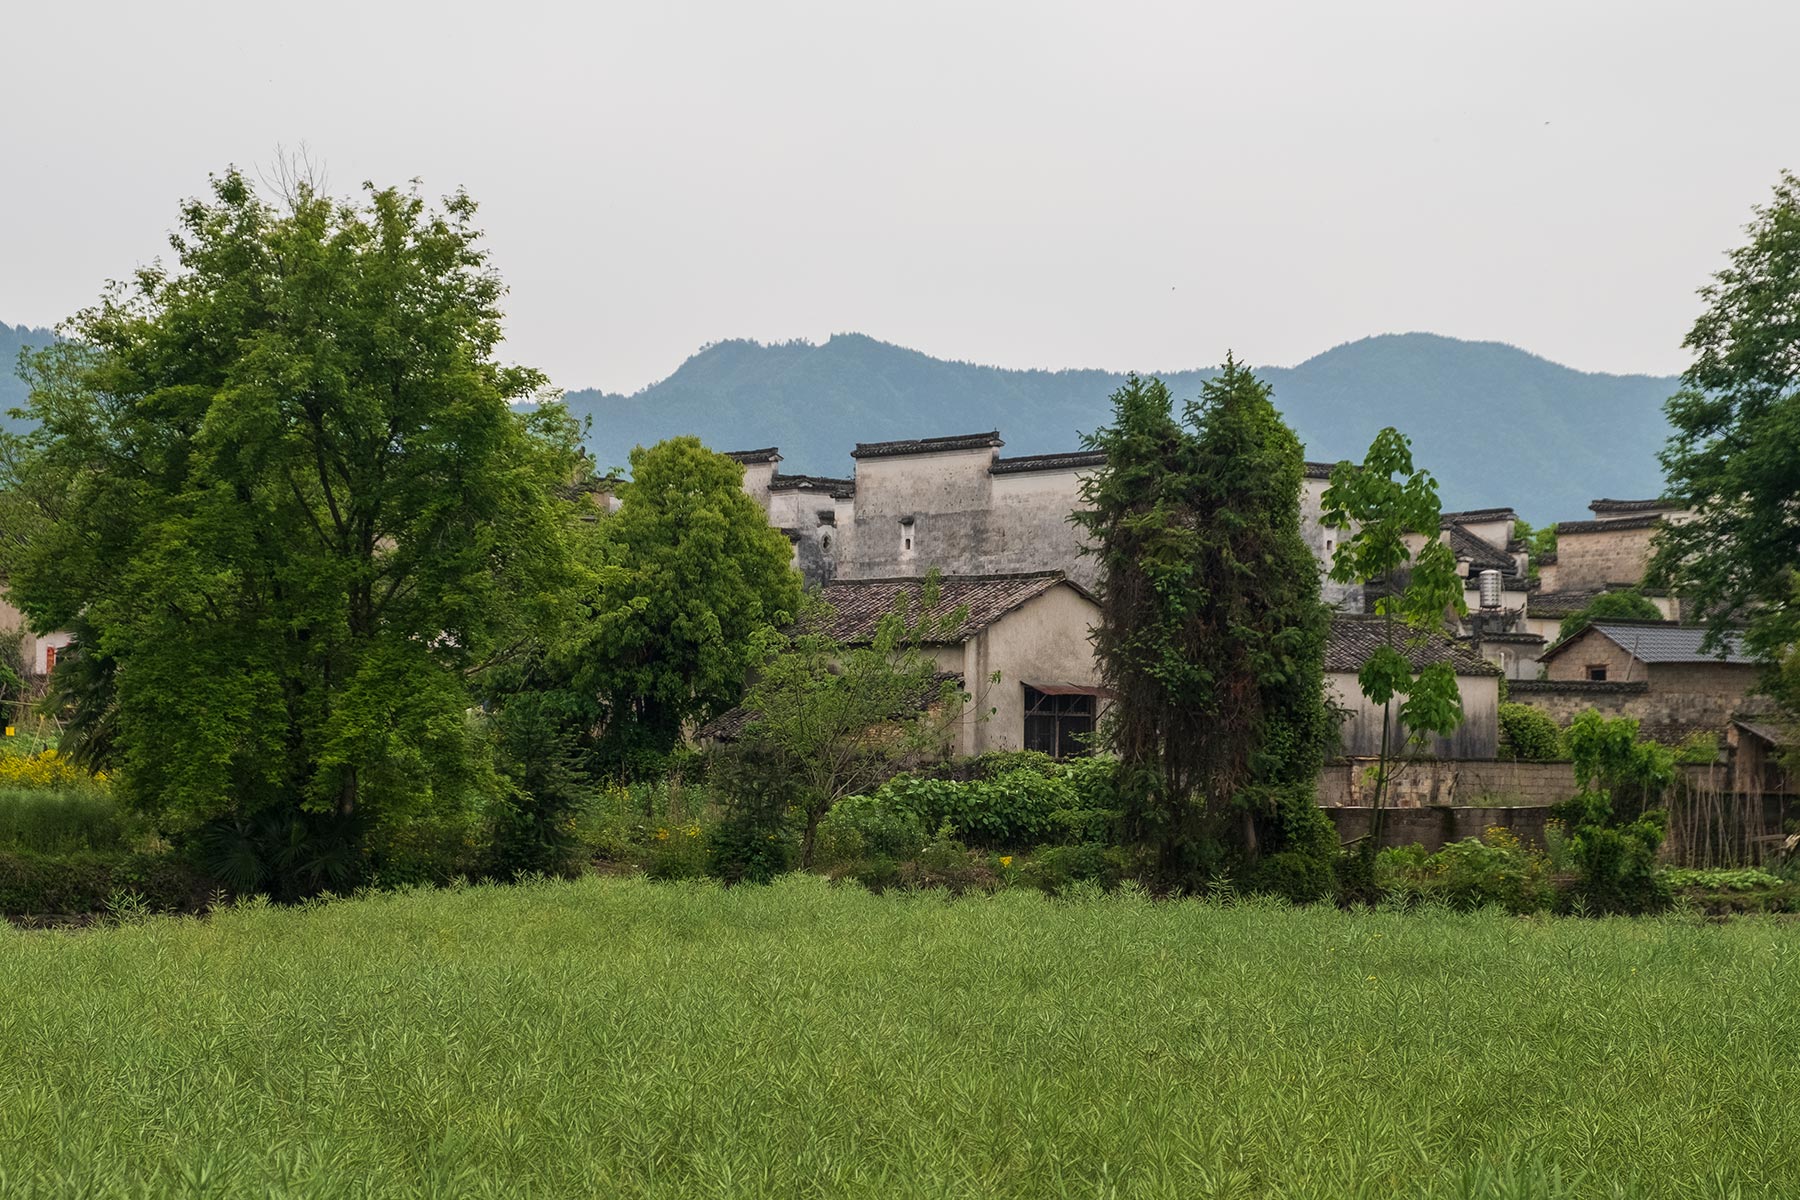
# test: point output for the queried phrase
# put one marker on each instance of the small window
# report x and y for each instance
(825, 543)
(1596, 673)
(1060, 726)
(906, 536)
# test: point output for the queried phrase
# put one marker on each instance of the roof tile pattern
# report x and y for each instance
(1643, 521)
(1073, 460)
(935, 445)
(766, 454)
(1483, 555)
(859, 604)
(1599, 507)
(813, 483)
(1355, 637)
(1654, 643)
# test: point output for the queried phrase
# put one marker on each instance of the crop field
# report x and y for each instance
(624, 1038)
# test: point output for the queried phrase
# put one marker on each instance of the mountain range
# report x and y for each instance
(1495, 424)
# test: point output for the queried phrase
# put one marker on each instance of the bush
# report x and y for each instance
(1056, 868)
(1494, 869)
(1301, 878)
(946, 862)
(1011, 810)
(866, 826)
(1530, 733)
(57, 822)
(86, 881)
(47, 770)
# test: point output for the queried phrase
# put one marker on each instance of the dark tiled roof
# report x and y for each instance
(1557, 605)
(1520, 638)
(859, 604)
(1318, 470)
(1576, 687)
(730, 726)
(1475, 515)
(1480, 553)
(765, 455)
(1546, 559)
(1355, 637)
(936, 445)
(1048, 462)
(1598, 507)
(1644, 521)
(813, 483)
(1661, 642)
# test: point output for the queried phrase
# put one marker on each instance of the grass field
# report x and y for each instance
(606, 1038)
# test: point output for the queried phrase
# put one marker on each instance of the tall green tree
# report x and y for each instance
(1389, 514)
(699, 576)
(1212, 633)
(280, 490)
(1732, 457)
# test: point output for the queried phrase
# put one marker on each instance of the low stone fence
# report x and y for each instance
(1488, 783)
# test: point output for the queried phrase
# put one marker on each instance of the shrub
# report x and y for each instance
(1301, 878)
(946, 862)
(47, 770)
(1720, 879)
(1009, 810)
(55, 822)
(1056, 868)
(1494, 869)
(866, 826)
(1530, 733)
(86, 881)
(433, 845)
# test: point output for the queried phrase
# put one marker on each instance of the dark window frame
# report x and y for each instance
(1060, 725)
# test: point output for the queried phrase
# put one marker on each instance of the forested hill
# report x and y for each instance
(14, 338)
(1496, 424)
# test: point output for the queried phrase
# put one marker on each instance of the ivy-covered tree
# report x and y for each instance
(1212, 633)
(1731, 458)
(280, 490)
(1389, 514)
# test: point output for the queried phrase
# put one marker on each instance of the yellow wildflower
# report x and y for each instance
(1006, 860)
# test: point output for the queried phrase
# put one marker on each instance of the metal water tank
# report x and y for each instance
(1490, 589)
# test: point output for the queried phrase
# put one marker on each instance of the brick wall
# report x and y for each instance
(1588, 648)
(1676, 700)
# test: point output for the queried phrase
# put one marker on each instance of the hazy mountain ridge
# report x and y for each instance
(1496, 424)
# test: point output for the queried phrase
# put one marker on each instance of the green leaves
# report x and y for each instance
(281, 489)
(1731, 456)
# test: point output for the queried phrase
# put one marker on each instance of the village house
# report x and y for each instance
(1354, 638)
(958, 505)
(1021, 653)
(1657, 672)
(1609, 552)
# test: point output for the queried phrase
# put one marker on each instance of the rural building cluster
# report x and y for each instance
(997, 529)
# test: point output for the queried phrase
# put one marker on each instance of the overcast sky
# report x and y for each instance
(1029, 184)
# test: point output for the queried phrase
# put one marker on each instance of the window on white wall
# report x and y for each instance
(906, 535)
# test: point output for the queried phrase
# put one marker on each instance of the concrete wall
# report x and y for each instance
(1044, 640)
(1477, 738)
(1427, 782)
(36, 646)
(1323, 543)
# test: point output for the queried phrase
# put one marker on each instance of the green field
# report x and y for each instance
(605, 1038)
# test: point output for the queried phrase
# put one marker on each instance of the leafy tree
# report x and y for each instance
(1731, 458)
(698, 576)
(1538, 542)
(1212, 633)
(1615, 822)
(830, 720)
(1391, 514)
(280, 491)
(1626, 604)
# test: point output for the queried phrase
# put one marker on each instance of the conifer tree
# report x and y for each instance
(1212, 632)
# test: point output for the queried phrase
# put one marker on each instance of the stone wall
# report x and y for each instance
(1591, 648)
(1594, 555)
(1438, 826)
(1674, 702)
(1348, 783)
